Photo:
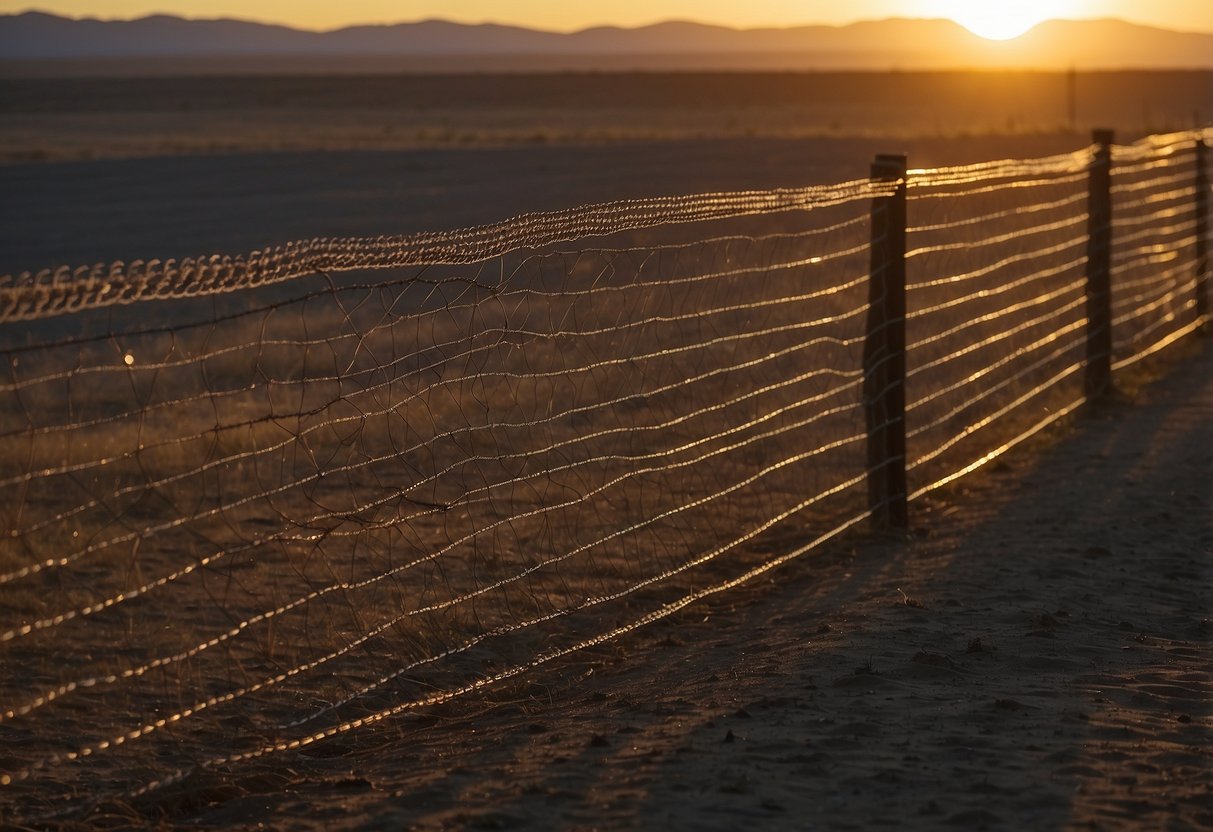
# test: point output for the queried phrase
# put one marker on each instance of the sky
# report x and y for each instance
(999, 18)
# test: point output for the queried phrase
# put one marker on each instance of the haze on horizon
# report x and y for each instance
(1179, 15)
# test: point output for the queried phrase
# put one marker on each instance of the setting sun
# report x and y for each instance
(1000, 20)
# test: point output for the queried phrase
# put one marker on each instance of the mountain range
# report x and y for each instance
(887, 44)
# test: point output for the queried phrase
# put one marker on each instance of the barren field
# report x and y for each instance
(72, 213)
(208, 164)
(447, 544)
(1036, 656)
(55, 119)
(217, 164)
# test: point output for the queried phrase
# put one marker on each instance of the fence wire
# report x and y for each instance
(253, 503)
(1154, 240)
(995, 297)
(997, 322)
(246, 521)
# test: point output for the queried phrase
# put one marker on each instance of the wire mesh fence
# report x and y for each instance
(996, 305)
(1155, 234)
(253, 503)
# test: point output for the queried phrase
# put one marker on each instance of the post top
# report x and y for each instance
(889, 166)
(1103, 135)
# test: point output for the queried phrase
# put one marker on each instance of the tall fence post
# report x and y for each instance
(1099, 267)
(1202, 232)
(884, 350)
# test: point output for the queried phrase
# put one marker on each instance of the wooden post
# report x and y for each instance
(1099, 268)
(1202, 232)
(884, 351)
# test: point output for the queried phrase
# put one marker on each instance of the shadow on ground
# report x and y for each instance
(1035, 656)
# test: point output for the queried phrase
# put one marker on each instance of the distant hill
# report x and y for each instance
(887, 44)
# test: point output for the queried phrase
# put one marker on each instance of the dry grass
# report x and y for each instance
(58, 119)
(253, 520)
(364, 493)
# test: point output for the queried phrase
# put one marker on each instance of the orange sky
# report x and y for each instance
(1188, 15)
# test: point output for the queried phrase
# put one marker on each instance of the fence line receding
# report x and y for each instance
(252, 503)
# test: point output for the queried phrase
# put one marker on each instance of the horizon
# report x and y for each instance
(993, 37)
(1027, 23)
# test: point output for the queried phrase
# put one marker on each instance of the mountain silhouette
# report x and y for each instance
(885, 44)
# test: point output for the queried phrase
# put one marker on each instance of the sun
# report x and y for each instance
(999, 20)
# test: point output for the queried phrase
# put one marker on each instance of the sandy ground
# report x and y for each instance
(125, 117)
(101, 169)
(1036, 655)
(77, 213)
(178, 206)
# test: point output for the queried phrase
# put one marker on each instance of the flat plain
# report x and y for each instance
(171, 167)
(1035, 654)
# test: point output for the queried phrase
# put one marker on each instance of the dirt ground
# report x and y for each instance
(1035, 655)
(77, 213)
(49, 119)
(104, 169)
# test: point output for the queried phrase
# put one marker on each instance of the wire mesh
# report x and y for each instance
(256, 502)
(997, 293)
(996, 315)
(302, 508)
(1154, 239)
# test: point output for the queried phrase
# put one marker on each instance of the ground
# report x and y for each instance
(1035, 654)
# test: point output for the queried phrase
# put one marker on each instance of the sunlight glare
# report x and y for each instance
(999, 20)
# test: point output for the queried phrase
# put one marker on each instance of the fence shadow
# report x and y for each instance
(335, 485)
(1033, 657)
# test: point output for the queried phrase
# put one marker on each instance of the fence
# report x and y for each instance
(254, 503)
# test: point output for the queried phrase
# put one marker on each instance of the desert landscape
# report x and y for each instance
(493, 447)
(252, 162)
(983, 675)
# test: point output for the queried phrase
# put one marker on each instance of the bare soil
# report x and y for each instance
(1035, 655)
(99, 169)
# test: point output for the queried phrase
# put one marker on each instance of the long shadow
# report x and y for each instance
(1035, 657)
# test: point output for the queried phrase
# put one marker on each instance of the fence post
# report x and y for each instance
(1099, 267)
(884, 350)
(1202, 232)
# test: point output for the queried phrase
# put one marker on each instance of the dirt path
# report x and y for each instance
(1037, 657)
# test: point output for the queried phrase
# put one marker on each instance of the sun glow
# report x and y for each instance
(999, 20)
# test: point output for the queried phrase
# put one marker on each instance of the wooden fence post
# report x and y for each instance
(1202, 232)
(1099, 268)
(884, 350)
